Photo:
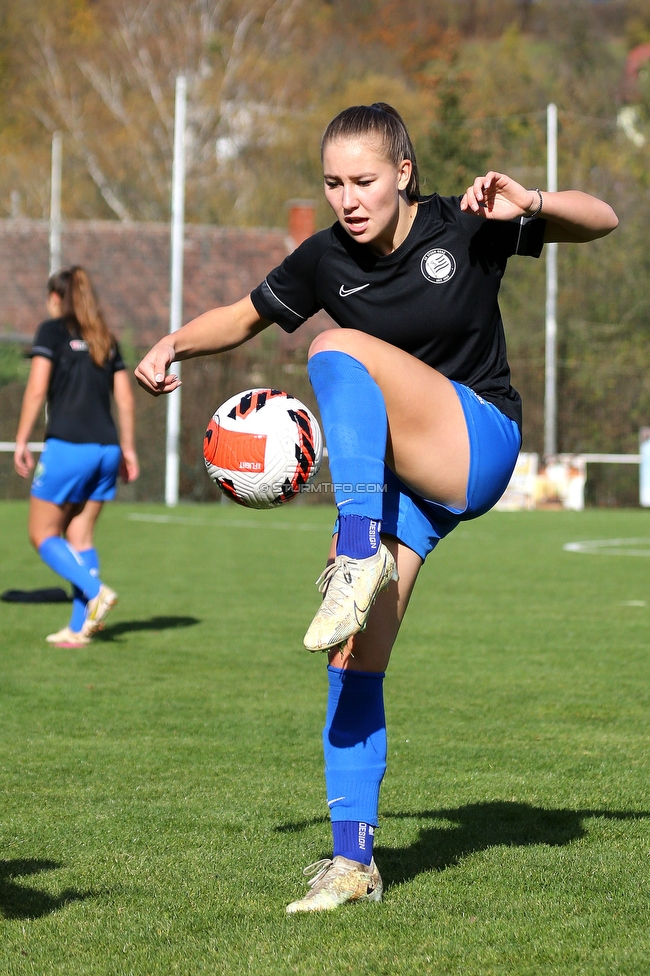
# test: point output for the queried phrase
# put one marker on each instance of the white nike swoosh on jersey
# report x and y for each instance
(344, 292)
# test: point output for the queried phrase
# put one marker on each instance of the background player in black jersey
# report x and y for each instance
(76, 363)
(421, 422)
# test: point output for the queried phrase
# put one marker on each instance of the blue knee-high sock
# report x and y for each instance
(91, 562)
(354, 742)
(354, 418)
(64, 560)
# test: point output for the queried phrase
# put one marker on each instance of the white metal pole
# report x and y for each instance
(55, 204)
(550, 377)
(176, 302)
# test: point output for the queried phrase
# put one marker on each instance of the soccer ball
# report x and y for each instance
(262, 447)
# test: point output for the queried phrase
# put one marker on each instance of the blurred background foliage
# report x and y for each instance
(472, 79)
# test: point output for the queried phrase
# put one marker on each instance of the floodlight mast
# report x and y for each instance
(172, 462)
(55, 204)
(550, 368)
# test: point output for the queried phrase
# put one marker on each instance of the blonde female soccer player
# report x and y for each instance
(421, 422)
(76, 364)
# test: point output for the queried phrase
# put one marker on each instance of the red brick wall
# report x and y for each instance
(129, 265)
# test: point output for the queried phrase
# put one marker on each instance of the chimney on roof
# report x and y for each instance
(302, 221)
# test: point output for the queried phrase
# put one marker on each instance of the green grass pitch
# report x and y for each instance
(162, 789)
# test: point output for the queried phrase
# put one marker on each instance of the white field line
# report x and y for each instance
(610, 547)
(221, 524)
(10, 446)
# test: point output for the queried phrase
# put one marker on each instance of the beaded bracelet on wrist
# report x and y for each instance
(539, 206)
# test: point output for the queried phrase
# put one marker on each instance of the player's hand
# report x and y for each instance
(23, 460)
(496, 196)
(150, 372)
(129, 466)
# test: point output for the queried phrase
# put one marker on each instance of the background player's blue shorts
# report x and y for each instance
(494, 442)
(68, 472)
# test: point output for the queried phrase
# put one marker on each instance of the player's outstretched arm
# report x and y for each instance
(33, 400)
(571, 215)
(214, 331)
(123, 394)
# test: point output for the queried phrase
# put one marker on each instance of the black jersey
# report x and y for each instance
(435, 296)
(78, 396)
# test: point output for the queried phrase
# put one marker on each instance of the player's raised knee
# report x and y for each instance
(335, 340)
(325, 342)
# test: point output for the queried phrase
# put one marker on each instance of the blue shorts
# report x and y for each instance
(68, 472)
(494, 442)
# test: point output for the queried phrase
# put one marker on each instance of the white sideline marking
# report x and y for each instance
(10, 446)
(610, 547)
(634, 603)
(225, 524)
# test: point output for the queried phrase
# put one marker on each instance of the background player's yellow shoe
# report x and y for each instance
(349, 587)
(336, 882)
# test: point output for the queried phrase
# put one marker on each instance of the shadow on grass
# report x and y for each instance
(112, 631)
(17, 901)
(479, 826)
(299, 825)
(475, 827)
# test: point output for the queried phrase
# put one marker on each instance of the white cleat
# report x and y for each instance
(349, 587)
(337, 882)
(60, 635)
(97, 609)
(68, 638)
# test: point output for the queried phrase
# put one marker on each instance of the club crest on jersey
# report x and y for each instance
(438, 265)
(78, 345)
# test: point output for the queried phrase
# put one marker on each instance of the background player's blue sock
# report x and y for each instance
(353, 840)
(90, 560)
(64, 560)
(354, 742)
(354, 419)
